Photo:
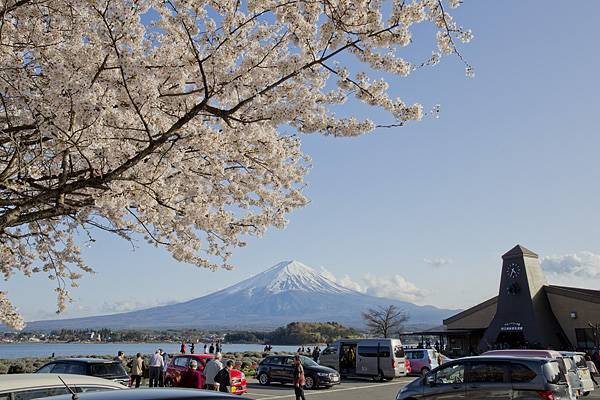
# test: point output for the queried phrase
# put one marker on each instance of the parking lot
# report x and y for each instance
(349, 389)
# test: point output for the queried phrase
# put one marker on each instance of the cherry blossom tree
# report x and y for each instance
(163, 119)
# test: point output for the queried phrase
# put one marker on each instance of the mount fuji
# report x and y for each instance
(287, 292)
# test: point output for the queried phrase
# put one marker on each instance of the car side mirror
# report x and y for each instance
(200, 368)
(430, 381)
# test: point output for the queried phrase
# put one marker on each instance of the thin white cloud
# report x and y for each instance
(130, 305)
(437, 263)
(395, 287)
(583, 264)
(345, 281)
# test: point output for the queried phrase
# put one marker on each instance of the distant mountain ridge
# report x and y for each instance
(289, 291)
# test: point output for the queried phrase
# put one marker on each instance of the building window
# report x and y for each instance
(585, 338)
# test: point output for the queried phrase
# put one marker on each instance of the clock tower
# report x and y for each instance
(523, 313)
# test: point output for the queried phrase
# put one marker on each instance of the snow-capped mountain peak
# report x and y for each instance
(287, 276)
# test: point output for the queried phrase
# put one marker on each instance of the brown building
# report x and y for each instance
(526, 312)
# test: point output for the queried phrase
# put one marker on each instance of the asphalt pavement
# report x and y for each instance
(349, 389)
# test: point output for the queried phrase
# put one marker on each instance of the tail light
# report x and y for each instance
(393, 363)
(407, 365)
(546, 394)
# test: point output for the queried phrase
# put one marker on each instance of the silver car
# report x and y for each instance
(33, 386)
(500, 377)
(421, 360)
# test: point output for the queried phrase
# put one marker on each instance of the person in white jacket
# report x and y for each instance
(211, 370)
(156, 364)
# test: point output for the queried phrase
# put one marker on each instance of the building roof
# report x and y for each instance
(590, 295)
(471, 310)
(519, 251)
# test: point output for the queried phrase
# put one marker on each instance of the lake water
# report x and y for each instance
(21, 350)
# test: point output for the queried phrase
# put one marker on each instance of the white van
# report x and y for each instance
(378, 358)
(582, 370)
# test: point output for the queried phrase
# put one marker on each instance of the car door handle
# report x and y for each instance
(474, 386)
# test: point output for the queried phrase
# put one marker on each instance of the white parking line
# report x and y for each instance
(334, 390)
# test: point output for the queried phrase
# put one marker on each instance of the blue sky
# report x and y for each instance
(423, 212)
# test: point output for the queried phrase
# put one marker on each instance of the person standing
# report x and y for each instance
(192, 348)
(191, 378)
(211, 370)
(137, 370)
(298, 378)
(224, 378)
(165, 364)
(163, 369)
(156, 367)
(211, 349)
(205, 348)
(119, 357)
(592, 368)
(316, 352)
(182, 348)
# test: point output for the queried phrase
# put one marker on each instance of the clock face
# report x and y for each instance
(513, 270)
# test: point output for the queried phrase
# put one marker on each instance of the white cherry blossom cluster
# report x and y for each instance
(166, 120)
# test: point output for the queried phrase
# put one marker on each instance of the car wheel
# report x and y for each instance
(309, 382)
(378, 377)
(169, 383)
(424, 370)
(263, 379)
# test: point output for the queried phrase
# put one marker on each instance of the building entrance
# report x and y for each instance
(514, 340)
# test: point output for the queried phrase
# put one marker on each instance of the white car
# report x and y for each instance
(33, 386)
(421, 360)
(582, 370)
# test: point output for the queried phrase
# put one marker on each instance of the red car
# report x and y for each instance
(180, 364)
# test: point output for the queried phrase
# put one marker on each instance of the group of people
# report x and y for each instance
(157, 366)
(316, 351)
(216, 347)
(218, 377)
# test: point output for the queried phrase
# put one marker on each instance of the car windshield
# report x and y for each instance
(307, 362)
(570, 364)
(107, 370)
(554, 373)
(580, 361)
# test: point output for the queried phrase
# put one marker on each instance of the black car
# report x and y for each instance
(152, 394)
(108, 369)
(280, 368)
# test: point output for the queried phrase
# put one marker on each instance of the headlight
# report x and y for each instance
(322, 374)
(243, 376)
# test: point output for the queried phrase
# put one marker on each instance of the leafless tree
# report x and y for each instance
(385, 320)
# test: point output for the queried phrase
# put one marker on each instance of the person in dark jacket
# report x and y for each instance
(191, 378)
(316, 352)
(298, 378)
(224, 378)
